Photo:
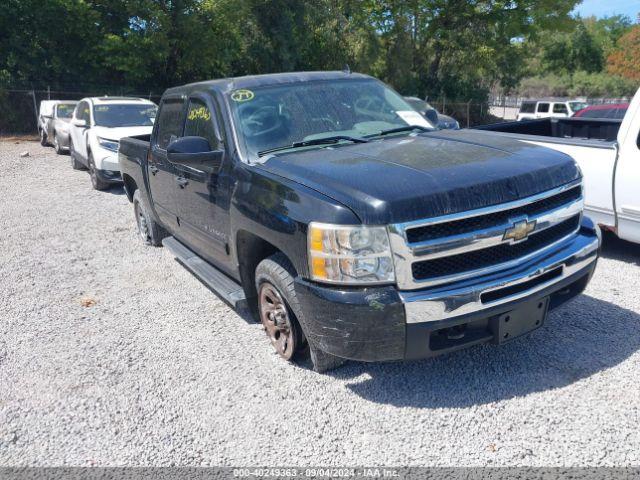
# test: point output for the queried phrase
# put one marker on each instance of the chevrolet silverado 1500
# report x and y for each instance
(349, 225)
(608, 153)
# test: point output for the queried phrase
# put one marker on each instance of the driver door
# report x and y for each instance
(203, 193)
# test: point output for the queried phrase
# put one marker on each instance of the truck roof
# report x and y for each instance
(253, 81)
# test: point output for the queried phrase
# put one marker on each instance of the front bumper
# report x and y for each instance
(105, 160)
(383, 323)
(109, 176)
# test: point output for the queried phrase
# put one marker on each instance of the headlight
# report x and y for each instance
(350, 254)
(108, 144)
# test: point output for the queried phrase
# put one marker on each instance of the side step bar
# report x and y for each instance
(226, 288)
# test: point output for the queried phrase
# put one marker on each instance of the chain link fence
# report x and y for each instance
(468, 114)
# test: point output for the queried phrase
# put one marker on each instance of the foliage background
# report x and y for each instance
(455, 49)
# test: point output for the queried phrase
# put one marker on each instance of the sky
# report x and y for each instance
(601, 8)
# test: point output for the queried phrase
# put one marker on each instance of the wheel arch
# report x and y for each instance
(251, 250)
(130, 186)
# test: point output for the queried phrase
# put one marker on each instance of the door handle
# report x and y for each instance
(181, 181)
(153, 169)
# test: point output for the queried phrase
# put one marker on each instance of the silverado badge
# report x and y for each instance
(520, 230)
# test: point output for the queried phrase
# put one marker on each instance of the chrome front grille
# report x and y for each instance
(454, 247)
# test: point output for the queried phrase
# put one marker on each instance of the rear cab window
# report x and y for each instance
(620, 113)
(543, 107)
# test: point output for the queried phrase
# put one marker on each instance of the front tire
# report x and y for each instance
(56, 144)
(279, 310)
(149, 230)
(75, 164)
(95, 181)
(43, 138)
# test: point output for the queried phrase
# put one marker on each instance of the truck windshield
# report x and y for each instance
(284, 115)
(124, 115)
(65, 110)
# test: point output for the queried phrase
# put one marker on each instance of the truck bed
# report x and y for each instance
(132, 157)
(572, 131)
(134, 146)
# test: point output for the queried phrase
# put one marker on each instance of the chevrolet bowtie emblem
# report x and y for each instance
(519, 231)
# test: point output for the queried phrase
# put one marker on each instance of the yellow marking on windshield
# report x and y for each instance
(242, 95)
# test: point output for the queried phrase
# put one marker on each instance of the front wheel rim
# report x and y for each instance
(276, 320)
(92, 173)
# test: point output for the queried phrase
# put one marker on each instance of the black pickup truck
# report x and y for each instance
(351, 227)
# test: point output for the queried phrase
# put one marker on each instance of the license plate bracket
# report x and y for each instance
(519, 321)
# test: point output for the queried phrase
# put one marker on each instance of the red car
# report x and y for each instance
(614, 111)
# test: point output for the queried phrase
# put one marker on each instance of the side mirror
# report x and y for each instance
(194, 152)
(79, 122)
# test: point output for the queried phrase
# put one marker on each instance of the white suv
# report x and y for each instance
(96, 128)
(533, 109)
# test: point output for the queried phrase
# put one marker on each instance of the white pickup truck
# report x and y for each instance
(607, 151)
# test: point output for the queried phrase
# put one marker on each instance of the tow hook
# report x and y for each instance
(456, 333)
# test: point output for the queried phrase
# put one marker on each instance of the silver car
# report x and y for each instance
(54, 128)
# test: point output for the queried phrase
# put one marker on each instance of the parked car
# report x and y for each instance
(324, 203)
(53, 123)
(436, 118)
(615, 111)
(96, 128)
(607, 152)
(534, 109)
(57, 126)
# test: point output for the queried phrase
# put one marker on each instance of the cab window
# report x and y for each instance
(528, 107)
(543, 107)
(560, 108)
(199, 122)
(169, 122)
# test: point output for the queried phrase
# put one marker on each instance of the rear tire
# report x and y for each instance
(149, 230)
(275, 280)
(95, 181)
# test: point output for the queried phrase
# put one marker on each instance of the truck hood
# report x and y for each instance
(117, 133)
(408, 178)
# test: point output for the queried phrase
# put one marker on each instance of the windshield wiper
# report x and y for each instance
(408, 128)
(315, 141)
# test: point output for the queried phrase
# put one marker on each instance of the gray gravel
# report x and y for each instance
(112, 354)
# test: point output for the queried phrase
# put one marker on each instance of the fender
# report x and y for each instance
(279, 210)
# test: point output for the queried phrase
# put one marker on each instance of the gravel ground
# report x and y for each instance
(112, 354)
